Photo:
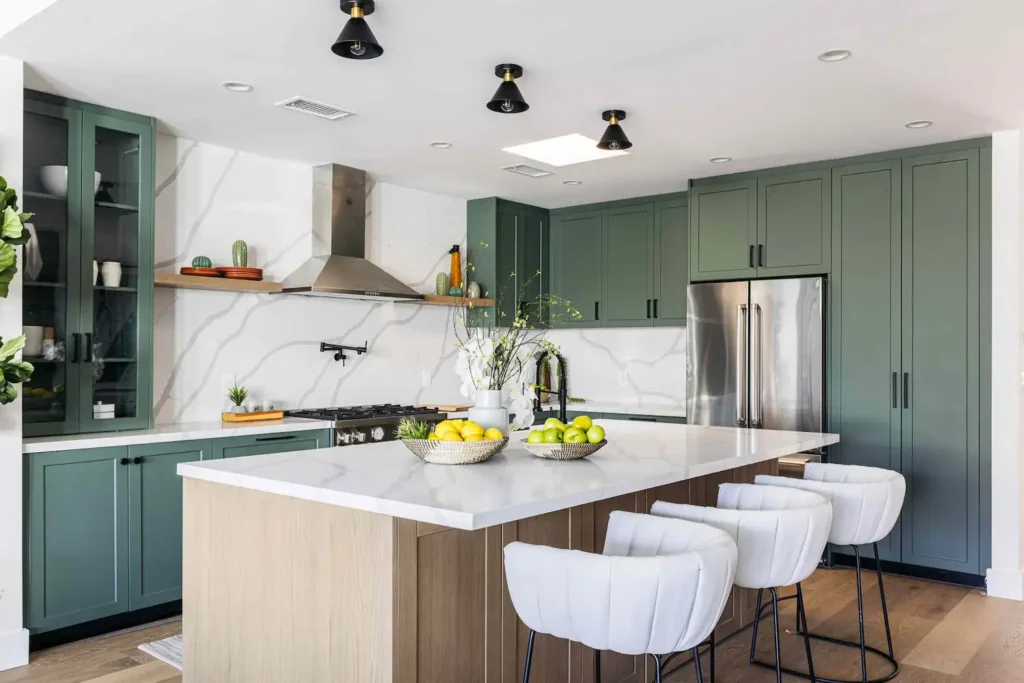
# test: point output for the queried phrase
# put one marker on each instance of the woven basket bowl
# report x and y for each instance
(564, 451)
(454, 452)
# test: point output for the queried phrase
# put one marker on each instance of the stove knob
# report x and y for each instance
(344, 438)
(377, 434)
(358, 437)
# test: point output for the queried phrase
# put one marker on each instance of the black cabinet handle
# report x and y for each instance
(74, 347)
(88, 347)
(655, 308)
(894, 390)
(906, 390)
(760, 256)
(136, 460)
(125, 461)
(750, 259)
(286, 437)
(597, 311)
(634, 418)
(648, 309)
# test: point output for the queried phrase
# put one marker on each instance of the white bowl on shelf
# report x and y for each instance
(55, 180)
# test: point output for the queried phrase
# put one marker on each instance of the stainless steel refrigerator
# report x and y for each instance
(755, 354)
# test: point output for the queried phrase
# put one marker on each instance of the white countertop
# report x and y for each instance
(183, 431)
(387, 479)
(622, 408)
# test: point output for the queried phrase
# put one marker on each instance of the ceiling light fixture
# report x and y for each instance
(614, 139)
(572, 182)
(237, 86)
(923, 123)
(507, 99)
(834, 55)
(720, 160)
(356, 40)
(441, 145)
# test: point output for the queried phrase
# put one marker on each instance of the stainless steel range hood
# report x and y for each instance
(339, 267)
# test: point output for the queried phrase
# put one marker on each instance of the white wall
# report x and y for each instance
(13, 638)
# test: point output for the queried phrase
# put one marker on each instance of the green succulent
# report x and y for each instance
(237, 395)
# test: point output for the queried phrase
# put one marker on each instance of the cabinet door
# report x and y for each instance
(794, 218)
(155, 513)
(77, 545)
(506, 294)
(50, 265)
(117, 301)
(671, 262)
(865, 291)
(941, 361)
(241, 446)
(532, 275)
(628, 234)
(577, 275)
(723, 231)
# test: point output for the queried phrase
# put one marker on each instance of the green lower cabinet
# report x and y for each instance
(77, 537)
(155, 513)
(241, 446)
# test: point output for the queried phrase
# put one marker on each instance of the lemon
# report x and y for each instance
(472, 429)
(443, 424)
(493, 434)
(434, 437)
(444, 428)
(473, 437)
(451, 435)
(456, 423)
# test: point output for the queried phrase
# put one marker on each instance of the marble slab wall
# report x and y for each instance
(209, 196)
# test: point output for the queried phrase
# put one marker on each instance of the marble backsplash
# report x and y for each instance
(209, 196)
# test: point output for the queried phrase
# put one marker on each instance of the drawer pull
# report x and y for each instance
(286, 437)
(634, 418)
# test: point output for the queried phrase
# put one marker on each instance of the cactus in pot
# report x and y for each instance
(240, 254)
(202, 262)
(441, 286)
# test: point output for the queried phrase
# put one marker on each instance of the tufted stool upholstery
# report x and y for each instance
(866, 502)
(780, 534)
(659, 587)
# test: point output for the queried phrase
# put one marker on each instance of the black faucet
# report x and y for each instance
(340, 350)
(563, 386)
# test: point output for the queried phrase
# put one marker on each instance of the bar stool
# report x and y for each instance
(659, 587)
(780, 534)
(866, 502)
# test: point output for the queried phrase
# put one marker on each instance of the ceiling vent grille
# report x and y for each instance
(314, 108)
(528, 171)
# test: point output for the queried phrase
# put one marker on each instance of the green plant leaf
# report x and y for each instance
(8, 257)
(11, 347)
(11, 224)
(18, 371)
(3, 183)
(9, 197)
(8, 392)
(20, 241)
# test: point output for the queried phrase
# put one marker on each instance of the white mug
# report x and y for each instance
(33, 340)
(111, 271)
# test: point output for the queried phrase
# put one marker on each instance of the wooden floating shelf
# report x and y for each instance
(216, 284)
(434, 300)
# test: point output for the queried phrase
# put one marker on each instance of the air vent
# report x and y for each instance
(528, 171)
(314, 108)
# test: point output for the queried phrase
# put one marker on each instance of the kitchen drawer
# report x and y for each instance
(263, 444)
(644, 418)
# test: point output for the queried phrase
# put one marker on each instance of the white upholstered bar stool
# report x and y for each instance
(866, 502)
(659, 587)
(780, 534)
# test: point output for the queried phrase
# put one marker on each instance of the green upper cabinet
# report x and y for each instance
(506, 246)
(577, 267)
(89, 178)
(794, 224)
(670, 260)
(628, 235)
(723, 231)
(241, 446)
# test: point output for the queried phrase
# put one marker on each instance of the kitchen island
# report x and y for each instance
(364, 564)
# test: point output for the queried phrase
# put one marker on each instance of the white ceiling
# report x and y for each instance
(698, 79)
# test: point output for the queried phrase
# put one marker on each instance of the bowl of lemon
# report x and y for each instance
(451, 442)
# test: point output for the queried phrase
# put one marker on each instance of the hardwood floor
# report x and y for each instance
(941, 634)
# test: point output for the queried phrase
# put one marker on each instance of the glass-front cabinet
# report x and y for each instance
(88, 267)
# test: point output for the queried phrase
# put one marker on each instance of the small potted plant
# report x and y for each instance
(237, 396)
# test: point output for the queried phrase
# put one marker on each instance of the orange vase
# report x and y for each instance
(455, 279)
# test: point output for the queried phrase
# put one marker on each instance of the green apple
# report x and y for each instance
(554, 423)
(583, 422)
(595, 434)
(552, 435)
(574, 435)
(536, 436)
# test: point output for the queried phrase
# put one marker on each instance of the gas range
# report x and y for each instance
(355, 425)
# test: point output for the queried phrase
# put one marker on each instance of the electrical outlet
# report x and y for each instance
(427, 380)
(226, 382)
(623, 378)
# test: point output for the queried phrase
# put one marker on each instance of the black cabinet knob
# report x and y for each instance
(125, 461)
(137, 460)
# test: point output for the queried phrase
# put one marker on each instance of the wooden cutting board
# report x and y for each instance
(445, 407)
(252, 417)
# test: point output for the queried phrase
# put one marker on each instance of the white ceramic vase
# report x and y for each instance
(111, 272)
(489, 410)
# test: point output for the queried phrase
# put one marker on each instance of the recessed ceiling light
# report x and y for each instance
(919, 124)
(572, 182)
(720, 160)
(834, 55)
(563, 151)
(237, 86)
(441, 145)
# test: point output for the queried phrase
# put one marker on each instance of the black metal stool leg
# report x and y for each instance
(757, 620)
(885, 610)
(597, 666)
(529, 657)
(712, 651)
(657, 668)
(696, 664)
(778, 648)
(860, 618)
(801, 615)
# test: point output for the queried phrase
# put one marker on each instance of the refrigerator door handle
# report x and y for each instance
(741, 365)
(757, 413)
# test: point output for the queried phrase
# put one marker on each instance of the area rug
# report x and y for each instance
(167, 650)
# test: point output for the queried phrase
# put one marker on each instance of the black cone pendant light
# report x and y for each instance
(357, 40)
(614, 139)
(508, 99)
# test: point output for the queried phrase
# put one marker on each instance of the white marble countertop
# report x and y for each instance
(622, 408)
(386, 478)
(183, 431)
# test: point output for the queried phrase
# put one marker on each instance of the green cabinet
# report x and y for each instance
(241, 446)
(628, 236)
(577, 268)
(723, 231)
(89, 180)
(506, 252)
(671, 247)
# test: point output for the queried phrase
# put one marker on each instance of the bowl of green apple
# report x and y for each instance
(560, 441)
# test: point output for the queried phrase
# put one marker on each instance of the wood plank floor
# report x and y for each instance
(941, 634)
